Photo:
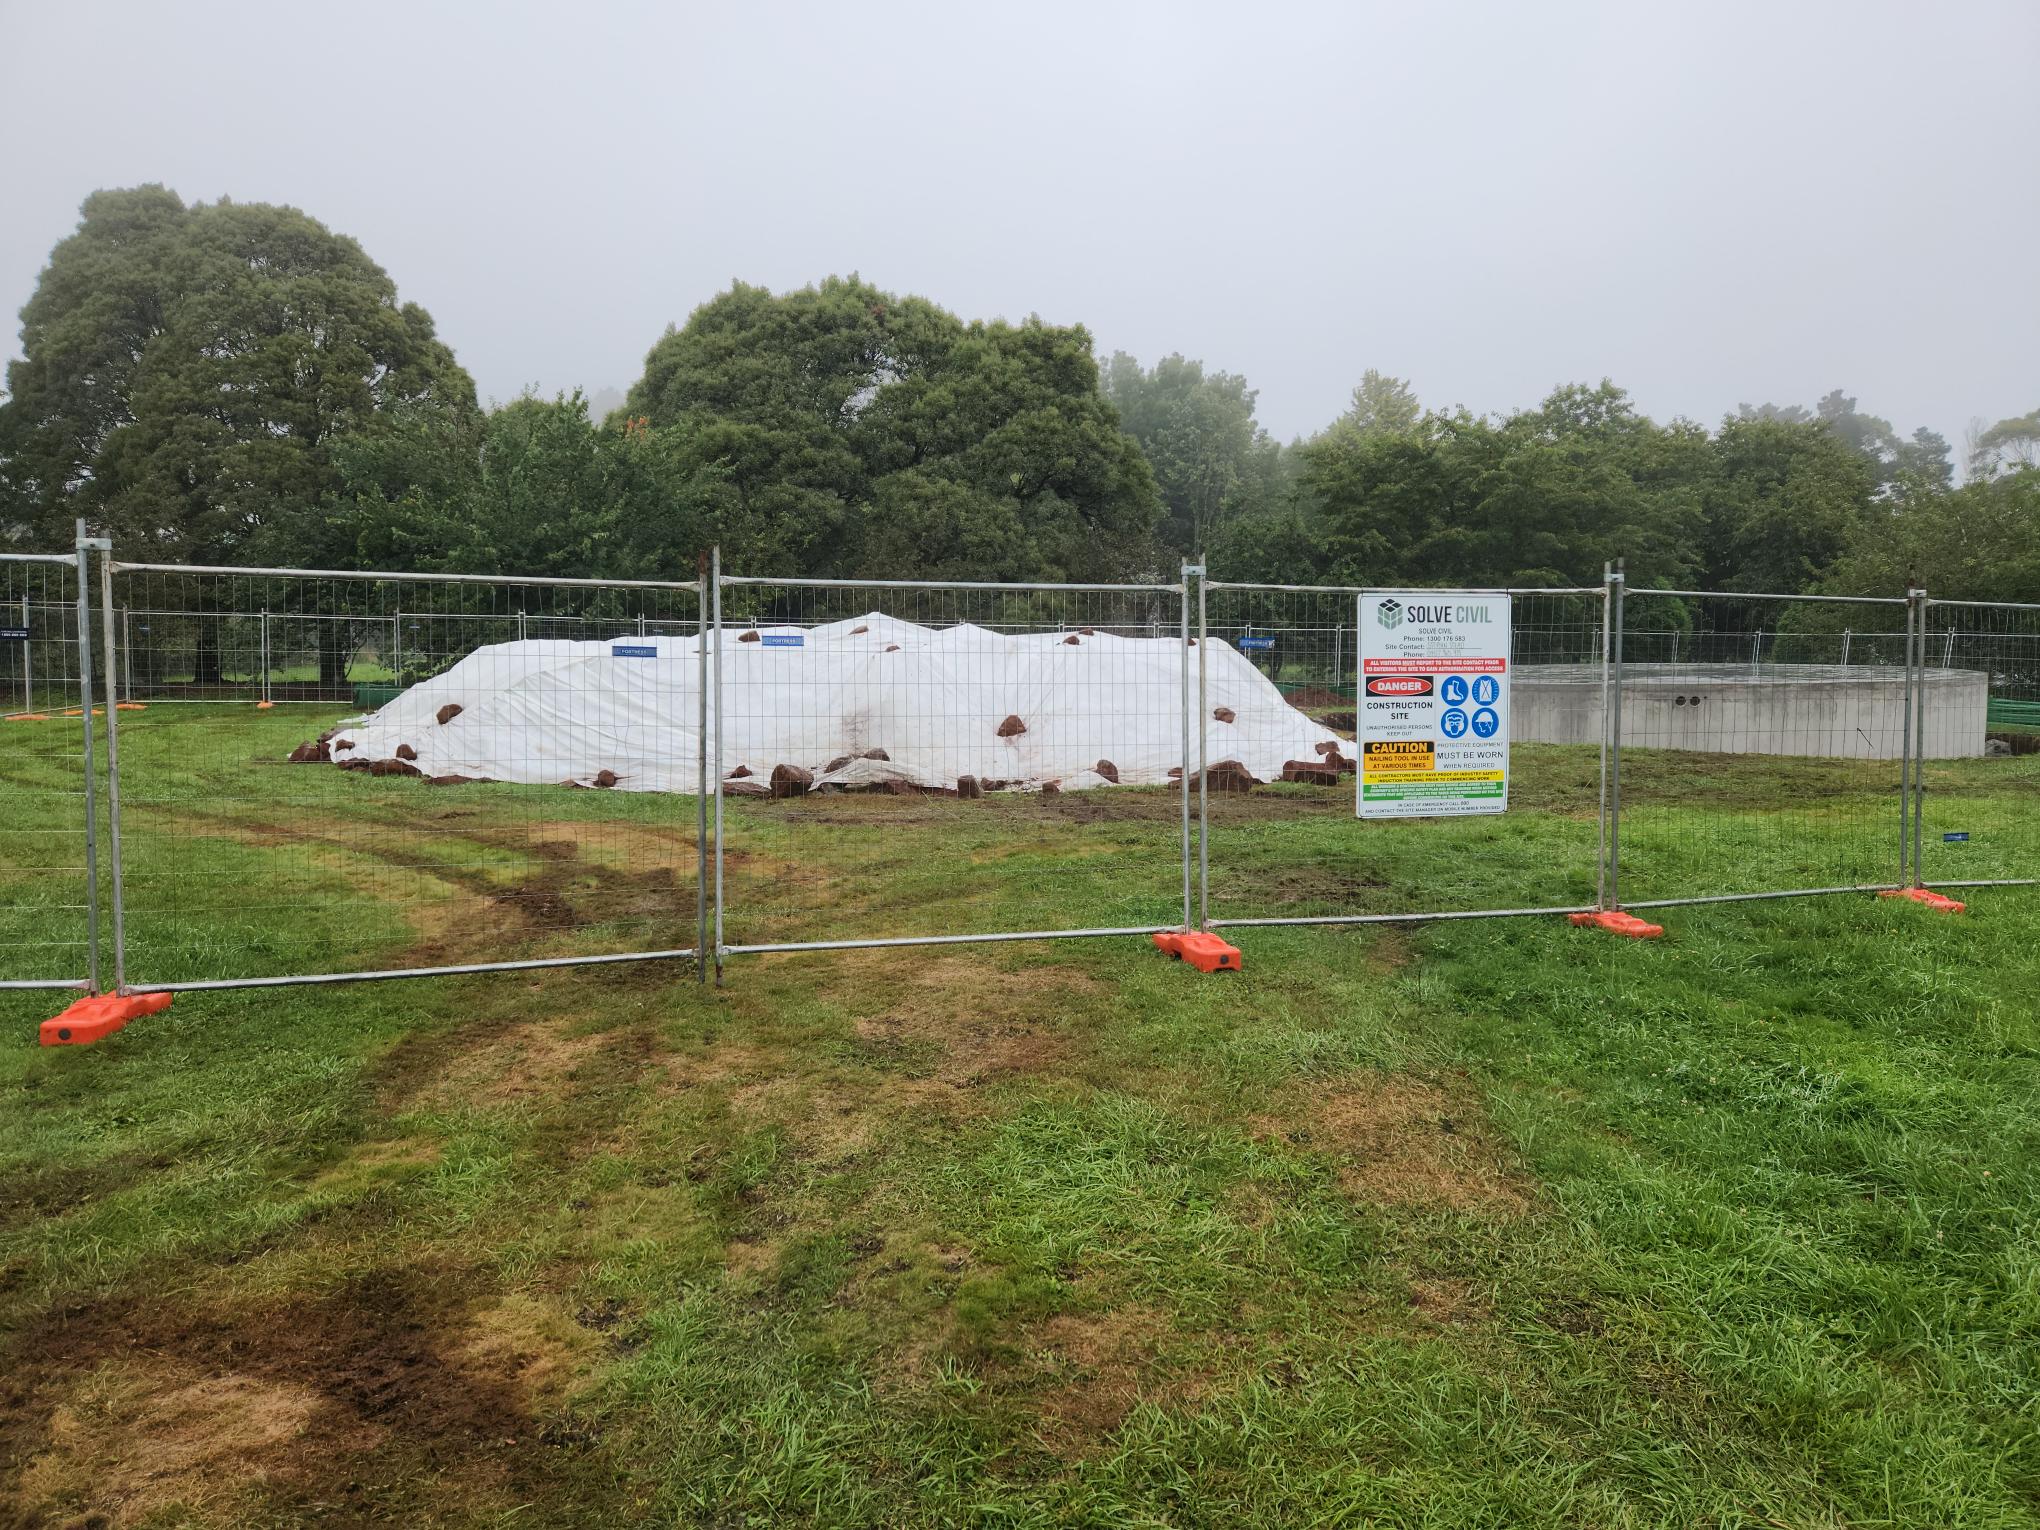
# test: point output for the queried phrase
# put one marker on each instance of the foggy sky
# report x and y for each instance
(1709, 203)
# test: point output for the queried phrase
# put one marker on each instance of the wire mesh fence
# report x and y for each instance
(889, 754)
(1284, 839)
(1750, 769)
(381, 773)
(1979, 820)
(313, 776)
(48, 905)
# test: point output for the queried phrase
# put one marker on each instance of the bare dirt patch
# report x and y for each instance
(1402, 1141)
(1095, 1367)
(397, 1395)
(133, 1440)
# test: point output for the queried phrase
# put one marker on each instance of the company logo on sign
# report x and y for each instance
(1389, 613)
(1399, 685)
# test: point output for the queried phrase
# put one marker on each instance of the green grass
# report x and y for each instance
(1480, 1224)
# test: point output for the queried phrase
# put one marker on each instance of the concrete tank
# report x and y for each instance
(1828, 710)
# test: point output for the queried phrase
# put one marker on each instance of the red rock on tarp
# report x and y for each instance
(313, 753)
(1108, 770)
(746, 789)
(1086, 632)
(1051, 788)
(605, 778)
(1012, 727)
(1224, 714)
(967, 787)
(892, 648)
(837, 764)
(992, 785)
(455, 780)
(393, 768)
(747, 637)
(1072, 640)
(791, 780)
(1311, 772)
(342, 743)
(406, 752)
(854, 631)
(353, 764)
(738, 774)
(448, 713)
(1344, 764)
(877, 754)
(1231, 776)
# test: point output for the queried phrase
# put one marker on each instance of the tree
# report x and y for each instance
(1381, 406)
(1978, 542)
(188, 374)
(855, 432)
(1542, 498)
(2006, 447)
(1211, 461)
(1921, 458)
(1783, 502)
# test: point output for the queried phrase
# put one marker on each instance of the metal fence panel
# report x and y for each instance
(1284, 845)
(930, 762)
(47, 897)
(1763, 745)
(1979, 810)
(372, 774)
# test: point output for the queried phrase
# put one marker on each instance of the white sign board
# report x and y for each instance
(1433, 719)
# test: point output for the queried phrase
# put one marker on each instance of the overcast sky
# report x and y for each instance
(1707, 202)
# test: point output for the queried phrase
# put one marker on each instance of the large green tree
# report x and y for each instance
(1782, 502)
(859, 433)
(1212, 461)
(188, 374)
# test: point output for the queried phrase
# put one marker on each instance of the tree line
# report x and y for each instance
(233, 383)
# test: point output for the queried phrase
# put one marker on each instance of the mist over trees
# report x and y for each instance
(235, 383)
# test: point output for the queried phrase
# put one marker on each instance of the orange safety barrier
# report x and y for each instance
(1616, 922)
(1205, 952)
(28, 717)
(264, 706)
(1927, 896)
(100, 1016)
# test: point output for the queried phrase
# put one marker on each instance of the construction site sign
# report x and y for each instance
(1433, 717)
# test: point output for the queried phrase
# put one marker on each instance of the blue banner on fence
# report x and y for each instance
(782, 640)
(631, 651)
(13, 634)
(1257, 642)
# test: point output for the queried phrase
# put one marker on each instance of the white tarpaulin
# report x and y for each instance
(933, 701)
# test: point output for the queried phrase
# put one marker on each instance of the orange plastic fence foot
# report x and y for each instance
(1205, 952)
(98, 1017)
(1616, 922)
(1926, 895)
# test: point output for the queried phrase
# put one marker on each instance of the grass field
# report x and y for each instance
(1489, 1223)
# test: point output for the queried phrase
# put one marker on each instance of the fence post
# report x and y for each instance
(85, 720)
(700, 766)
(1920, 738)
(1184, 701)
(1905, 766)
(1845, 647)
(1621, 588)
(1607, 613)
(27, 660)
(265, 652)
(715, 565)
(113, 759)
(1203, 765)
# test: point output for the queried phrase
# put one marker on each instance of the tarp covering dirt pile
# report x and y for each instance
(861, 702)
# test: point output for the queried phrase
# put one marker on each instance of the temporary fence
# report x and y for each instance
(414, 882)
(49, 902)
(809, 764)
(950, 693)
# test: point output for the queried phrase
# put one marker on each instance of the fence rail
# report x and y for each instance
(165, 726)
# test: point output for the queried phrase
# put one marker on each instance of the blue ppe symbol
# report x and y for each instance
(1485, 722)
(1486, 689)
(1453, 723)
(1453, 690)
